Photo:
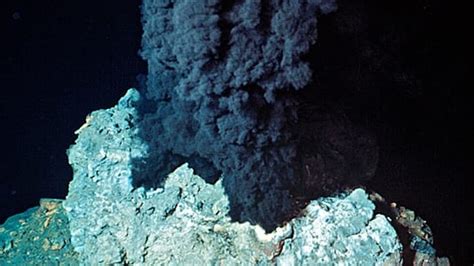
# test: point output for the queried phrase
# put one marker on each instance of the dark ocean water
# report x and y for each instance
(61, 60)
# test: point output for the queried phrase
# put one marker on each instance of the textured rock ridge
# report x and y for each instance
(185, 221)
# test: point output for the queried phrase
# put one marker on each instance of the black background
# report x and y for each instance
(60, 61)
(63, 59)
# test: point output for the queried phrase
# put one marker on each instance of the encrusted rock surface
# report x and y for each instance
(185, 221)
(38, 236)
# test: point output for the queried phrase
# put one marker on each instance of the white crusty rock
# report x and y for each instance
(341, 230)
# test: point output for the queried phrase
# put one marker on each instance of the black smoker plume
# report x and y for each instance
(222, 76)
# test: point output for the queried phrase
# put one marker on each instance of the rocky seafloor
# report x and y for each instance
(343, 230)
(106, 220)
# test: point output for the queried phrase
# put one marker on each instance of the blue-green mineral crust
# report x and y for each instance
(186, 220)
(38, 236)
(105, 219)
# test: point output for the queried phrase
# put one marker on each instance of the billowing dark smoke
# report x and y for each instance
(222, 76)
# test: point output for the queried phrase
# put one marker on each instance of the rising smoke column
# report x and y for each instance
(222, 77)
